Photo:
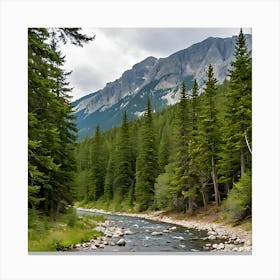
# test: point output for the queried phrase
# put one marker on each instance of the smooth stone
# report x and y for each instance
(165, 231)
(156, 233)
(215, 246)
(93, 247)
(128, 232)
(121, 242)
(178, 237)
(212, 237)
(173, 228)
(101, 246)
(115, 235)
(212, 233)
(112, 244)
(221, 246)
(194, 250)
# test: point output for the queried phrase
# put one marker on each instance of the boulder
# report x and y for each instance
(93, 247)
(121, 242)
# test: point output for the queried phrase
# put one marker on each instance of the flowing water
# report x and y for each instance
(179, 240)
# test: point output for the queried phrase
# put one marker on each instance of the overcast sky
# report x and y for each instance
(115, 50)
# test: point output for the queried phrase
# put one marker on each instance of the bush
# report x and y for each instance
(239, 201)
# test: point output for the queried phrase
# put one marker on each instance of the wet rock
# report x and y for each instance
(112, 244)
(194, 250)
(115, 235)
(165, 231)
(121, 242)
(178, 237)
(156, 233)
(212, 232)
(128, 232)
(173, 228)
(101, 246)
(215, 246)
(212, 237)
(93, 247)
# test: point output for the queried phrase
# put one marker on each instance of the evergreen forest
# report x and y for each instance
(191, 156)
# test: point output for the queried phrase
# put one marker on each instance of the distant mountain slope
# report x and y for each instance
(159, 79)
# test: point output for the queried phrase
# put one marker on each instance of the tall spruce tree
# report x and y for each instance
(51, 131)
(98, 166)
(210, 129)
(146, 163)
(236, 153)
(124, 176)
(180, 185)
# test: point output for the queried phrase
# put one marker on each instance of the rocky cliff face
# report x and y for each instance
(159, 79)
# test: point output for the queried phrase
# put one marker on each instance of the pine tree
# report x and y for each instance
(124, 174)
(240, 97)
(180, 185)
(209, 129)
(51, 131)
(98, 166)
(146, 164)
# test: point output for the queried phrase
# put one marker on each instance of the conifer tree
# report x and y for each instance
(209, 129)
(98, 166)
(236, 155)
(146, 164)
(180, 185)
(123, 172)
(51, 131)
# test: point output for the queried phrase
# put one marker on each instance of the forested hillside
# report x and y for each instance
(191, 155)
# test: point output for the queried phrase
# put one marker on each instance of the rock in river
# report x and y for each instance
(121, 242)
(156, 233)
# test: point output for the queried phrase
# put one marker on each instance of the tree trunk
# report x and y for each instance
(190, 210)
(204, 196)
(242, 162)
(215, 183)
(227, 187)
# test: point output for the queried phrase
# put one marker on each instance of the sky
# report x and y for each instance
(115, 50)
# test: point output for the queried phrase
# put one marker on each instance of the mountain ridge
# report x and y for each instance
(158, 78)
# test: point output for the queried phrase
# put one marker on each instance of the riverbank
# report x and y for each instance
(228, 238)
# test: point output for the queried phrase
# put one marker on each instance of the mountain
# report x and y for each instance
(160, 79)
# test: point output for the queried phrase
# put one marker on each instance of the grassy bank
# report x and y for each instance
(45, 235)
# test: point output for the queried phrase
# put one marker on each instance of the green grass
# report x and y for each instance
(45, 235)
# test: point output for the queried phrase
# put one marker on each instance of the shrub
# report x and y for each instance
(239, 201)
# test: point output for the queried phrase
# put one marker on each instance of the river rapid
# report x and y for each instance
(142, 235)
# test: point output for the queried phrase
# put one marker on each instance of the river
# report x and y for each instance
(144, 238)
